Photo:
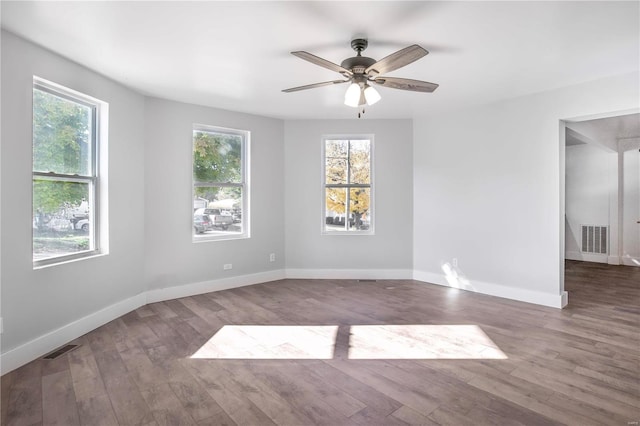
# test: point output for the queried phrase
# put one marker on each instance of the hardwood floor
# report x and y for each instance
(302, 352)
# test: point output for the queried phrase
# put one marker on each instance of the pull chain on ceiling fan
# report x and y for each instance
(360, 71)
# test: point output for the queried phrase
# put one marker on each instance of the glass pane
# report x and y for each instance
(336, 154)
(359, 217)
(360, 210)
(217, 211)
(217, 157)
(360, 161)
(335, 218)
(336, 170)
(62, 135)
(61, 218)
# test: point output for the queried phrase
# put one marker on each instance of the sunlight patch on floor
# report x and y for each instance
(421, 342)
(270, 342)
(366, 342)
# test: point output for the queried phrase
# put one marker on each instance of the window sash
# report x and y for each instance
(242, 183)
(348, 186)
(92, 180)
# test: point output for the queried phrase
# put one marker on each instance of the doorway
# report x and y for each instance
(600, 189)
(630, 163)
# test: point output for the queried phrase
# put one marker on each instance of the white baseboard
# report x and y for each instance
(586, 257)
(613, 260)
(186, 290)
(350, 274)
(44, 344)
(538, 298)
(630, 261)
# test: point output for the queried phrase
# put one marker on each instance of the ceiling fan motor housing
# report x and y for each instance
(357, 64)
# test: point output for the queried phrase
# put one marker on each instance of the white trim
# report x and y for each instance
(491, 289)
(587, 257)
(44, 344)
(630, 261)
(350, 274)
(613, 260)
(186, 290)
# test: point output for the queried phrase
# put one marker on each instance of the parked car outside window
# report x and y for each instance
(202, 223)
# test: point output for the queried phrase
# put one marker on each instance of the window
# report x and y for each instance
(66, 181)
(220, 183)
(348, 188)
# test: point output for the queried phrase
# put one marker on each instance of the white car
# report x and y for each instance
(80, 224)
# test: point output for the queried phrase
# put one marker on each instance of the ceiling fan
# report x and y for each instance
(360, 71)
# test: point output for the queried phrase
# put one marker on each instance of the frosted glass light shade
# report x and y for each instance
(371, 95)
(352, 96)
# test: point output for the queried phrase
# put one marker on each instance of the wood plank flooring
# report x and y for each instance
(577, 366)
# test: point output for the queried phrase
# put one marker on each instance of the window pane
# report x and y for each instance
(336, 170)
(336, 200)
(359, 217)
(359, 161)
(61, 218)
(217, 211)
(217, 157)
(62, 135)
(360, 210)
(336, 161)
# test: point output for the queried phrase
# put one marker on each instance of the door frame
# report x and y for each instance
(562, 159)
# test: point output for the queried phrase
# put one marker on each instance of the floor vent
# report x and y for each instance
(59, 352)
(594, 239)
(367, 281)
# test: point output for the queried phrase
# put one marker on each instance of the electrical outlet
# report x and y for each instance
(455, 262)
(272, 257)
(227, 266)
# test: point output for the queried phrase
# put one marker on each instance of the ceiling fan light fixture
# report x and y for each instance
(359, 70)
(371, 95)
(352, 95)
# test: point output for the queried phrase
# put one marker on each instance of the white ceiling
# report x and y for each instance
(235, 55)
(604, 131)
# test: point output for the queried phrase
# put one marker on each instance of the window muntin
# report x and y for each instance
(347, 181)
(220, 183)
(65, 176)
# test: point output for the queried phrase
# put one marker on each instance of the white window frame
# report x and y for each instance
(95, 179)
(244, 184)
(371, 186)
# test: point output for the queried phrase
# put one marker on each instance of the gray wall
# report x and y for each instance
(35, 302)
(489, 187)
(390, 248)
(149, 206)
(171, 258)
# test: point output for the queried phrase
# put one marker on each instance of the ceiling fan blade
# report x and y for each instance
(321, 62)
(313, 86)
(406, 84)
(396, 60)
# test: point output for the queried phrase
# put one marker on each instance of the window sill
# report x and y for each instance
(48, 263)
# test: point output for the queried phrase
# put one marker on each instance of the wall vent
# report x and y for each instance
(59, 352)
(594, 239)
